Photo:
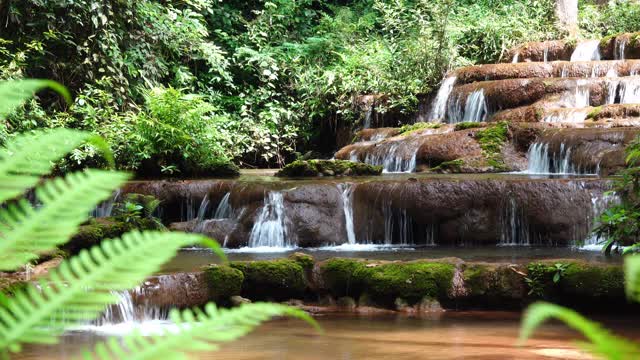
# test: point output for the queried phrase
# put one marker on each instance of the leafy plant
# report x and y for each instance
(81, 287)
(601, 341)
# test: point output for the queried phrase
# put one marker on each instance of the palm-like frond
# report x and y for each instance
(27, 157)
(197, 330)
(81, 287)
(25, 231)
(602, 342)
(15, 92)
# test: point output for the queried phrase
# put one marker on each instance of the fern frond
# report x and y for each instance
(25, 231)
(602, 341)
(632, 276)
(14, 93)
(81, 287)
(197, 330)
(27, 157)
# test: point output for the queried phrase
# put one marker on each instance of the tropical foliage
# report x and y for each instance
(601, 342)
(81, 287)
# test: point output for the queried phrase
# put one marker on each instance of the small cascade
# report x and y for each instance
(202, 212)
(514, 228)
(475, 108)
(582, 94)
(439, 105)
(569, 115)
(515, 58)
(187, 210)
(224, 208)
(105, 209)
(126, 311)
(545, 55)
(367, 116)
(541, 161)
(619, 47)
(612, 91)
(398, 225)
(630, 90)
(347, 207)
(270, 228)
(587, 51)
(599, 203)
(394, 158)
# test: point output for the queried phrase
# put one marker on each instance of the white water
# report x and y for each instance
(367, 116)
(346, 190)
(630, 90)
(514, 226)
(105, 209)
(618, 52)
(475, 108)
(224, 208)
(515, 58)
(581, 94)
(566, 116)
(439, 104)
(394, 158)
(202, 212)
(269, 228)
(362, 247)
(542, 162)
(586, 51)
(599, 203)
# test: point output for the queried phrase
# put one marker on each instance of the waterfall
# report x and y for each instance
(514, 228)
(439, 104)
(567, 115)
(599, 203)
(515, 58)
(630, 90)
(545, 55)
(397, 223)
(394, 158)
(619, 47)
(224, 208)
(367, 117)
(475, 108)
(347, 207)
(587, 51)
(541, 161)
(582, 94)
(270, 229)
(126, 311)
(105, 209)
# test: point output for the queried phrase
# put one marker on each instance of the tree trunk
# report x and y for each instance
(567, 16)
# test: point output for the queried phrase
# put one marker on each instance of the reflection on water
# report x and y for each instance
(193, 259)
(452, 335)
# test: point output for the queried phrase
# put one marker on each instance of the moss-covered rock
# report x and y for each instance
(468, 125)
(310, 168)
(98, 229)
(224, 282)
(493, 285)
(342, 277)
(491, 141)
(272, 280)
(305, 260)
(410, 128)
(453, 166)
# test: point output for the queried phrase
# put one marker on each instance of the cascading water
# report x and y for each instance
(202, 212)
(397, 222)
(346, 191)
(619, 47)
(630, 90)
(270, 228)
(514, 228)
(223, 211)
(439, 105)
(566, 115)
(582, 94)
(394, 158)
(541, 161)
(126, 311)
(105, 209)
(367, 117)
(475, 108)
(587, 51)
(515, 58)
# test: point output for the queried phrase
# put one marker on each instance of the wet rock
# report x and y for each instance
(239, 300)
(312, 168)
(346, 303)
(224, 282)
(402, 305)
(99, 229)
(539, 51)
(375, 134)
(182, 290)
(272, 280)
(429, 305)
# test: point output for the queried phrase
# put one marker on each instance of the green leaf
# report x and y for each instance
(66, 203)
(29, 156)
(197, 330)
(216, 248)
(81, 287)
(602, 342)
(15, 92)
(632, 276)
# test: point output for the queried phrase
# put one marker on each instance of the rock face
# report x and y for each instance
(414, 286)
(423, 211)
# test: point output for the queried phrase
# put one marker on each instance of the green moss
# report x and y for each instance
(468, 125)
(305, 260)
(96, 230)
(341, 276)
(309, 168)
(594, 113)
(272, 280)
(606, 40)
(582, 280)
(453, 166)
(410, 281)
(495, 284)
(224, 281)
(407, 129)
(491, 141)
(213, 168)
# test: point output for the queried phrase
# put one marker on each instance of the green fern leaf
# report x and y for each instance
(197, 330)
(29, 156)
(15, 92)
(66, 203)
(602, 341)
(81, 287)
(632, 276)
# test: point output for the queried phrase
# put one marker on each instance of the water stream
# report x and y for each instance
(270, 228)
(439, 104)
(587, 51)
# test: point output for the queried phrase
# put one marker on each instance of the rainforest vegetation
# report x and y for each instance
(185, 87)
